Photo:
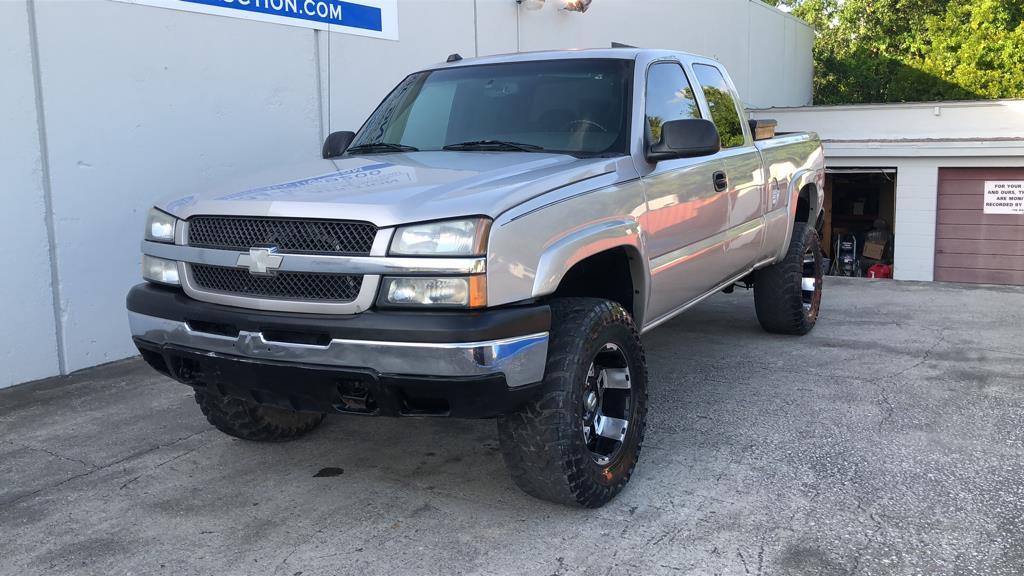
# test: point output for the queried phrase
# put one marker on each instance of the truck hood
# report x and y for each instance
(392, 189)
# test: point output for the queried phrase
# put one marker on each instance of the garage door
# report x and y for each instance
(972, 244)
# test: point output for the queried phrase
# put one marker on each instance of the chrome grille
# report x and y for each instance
(288, 285)
(336, 237)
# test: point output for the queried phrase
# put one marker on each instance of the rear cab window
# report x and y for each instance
(722, 104)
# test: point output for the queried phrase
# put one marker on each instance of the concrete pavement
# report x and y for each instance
(888, 441)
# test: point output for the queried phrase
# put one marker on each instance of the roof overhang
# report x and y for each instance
(925, 147)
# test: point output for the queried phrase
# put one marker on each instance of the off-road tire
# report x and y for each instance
(250, 421)
(542, 443)
(778, 289)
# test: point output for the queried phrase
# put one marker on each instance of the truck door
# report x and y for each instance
(685, 215)
(743, 168)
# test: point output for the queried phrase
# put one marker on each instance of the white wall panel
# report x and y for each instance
(496, 27)
(727, 30)
(28, 346)
(143, 102)
(364, 70)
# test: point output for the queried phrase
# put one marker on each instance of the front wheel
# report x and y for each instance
(578, 442)
(250, 421)
(787, 294)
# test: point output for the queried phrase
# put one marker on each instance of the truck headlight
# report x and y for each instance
(160, 226)
(450, 292)
(449, 238)
(160, 270)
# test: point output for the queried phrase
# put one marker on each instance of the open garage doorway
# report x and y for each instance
(860, 212)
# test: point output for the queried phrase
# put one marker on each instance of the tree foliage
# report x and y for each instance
(723, 113)
(907, 50)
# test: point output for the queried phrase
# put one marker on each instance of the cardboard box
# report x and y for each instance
(874, 250)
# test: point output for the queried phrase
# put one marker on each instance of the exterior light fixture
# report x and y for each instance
(576, 5)
(531, 4)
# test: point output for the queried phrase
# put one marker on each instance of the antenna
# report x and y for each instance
(621, 45)
(454, 58)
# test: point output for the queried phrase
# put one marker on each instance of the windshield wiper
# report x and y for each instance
(493, 145)
(382, 147)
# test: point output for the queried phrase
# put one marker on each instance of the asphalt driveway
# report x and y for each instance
(889, 441)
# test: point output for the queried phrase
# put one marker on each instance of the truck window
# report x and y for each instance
(429, 115)
(669, 97)
(724, 112)
(575, 106)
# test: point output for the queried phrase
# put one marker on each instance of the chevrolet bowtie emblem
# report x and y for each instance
(260, 261)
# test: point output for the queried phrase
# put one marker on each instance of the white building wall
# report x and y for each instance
(363, 70)
(767, 52)
(134, 113)
(140, 102)
(28, 340)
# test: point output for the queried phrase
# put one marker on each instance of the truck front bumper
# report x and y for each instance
(463, 364)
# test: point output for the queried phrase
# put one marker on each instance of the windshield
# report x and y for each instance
(574, 106)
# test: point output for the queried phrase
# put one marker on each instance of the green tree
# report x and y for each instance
(901, 50)
(978, 46)
(723, 112)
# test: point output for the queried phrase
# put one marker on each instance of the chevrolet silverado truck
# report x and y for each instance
(490, 244)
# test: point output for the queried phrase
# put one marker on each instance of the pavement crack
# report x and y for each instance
(165, 462)
(744, 561)
(925, 357)
(869, 539)
(300, 544)
(95, 469)
(54, 454)
(889, 382)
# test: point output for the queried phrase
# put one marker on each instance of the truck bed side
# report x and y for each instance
(794, 165)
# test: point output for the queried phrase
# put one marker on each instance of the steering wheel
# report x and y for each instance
(572, 125)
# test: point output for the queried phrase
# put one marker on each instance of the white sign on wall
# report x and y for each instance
(374, 18)
(1004, 197)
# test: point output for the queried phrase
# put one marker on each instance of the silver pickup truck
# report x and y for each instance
(491, 243)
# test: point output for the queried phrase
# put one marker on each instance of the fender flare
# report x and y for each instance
(801, 179)
(565, 252)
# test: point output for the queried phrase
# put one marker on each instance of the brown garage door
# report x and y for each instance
(970, 245)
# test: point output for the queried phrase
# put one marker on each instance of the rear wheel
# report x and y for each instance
(250, 421)
(787, 295)
(578, 442)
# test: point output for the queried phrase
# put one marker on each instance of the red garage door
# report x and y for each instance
(972, 244)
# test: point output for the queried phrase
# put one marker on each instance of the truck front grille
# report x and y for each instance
(334, 237)
(283, 285)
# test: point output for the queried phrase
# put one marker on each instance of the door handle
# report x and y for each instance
(721, 181)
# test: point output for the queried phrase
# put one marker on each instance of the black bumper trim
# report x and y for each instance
(390, 326)
(310, 388)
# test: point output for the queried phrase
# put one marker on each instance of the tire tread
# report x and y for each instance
(250, 421)
(777, 293)
(540, 443)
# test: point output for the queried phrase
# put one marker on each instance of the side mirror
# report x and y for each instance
(687, 138)
(336, 144)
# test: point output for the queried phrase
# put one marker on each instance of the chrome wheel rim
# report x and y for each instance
(810, 283)
(607, 404)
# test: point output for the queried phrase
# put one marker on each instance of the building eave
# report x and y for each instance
(926, 147)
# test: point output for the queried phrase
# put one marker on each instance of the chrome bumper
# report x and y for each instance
(521, 360)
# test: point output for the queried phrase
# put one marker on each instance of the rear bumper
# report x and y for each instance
(475, 364)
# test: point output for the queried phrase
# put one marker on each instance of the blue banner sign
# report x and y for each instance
(376, 18)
